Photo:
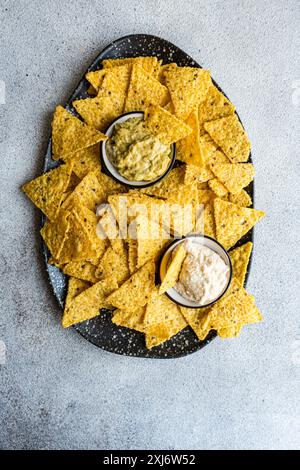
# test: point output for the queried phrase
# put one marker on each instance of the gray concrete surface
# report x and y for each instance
(57, 390)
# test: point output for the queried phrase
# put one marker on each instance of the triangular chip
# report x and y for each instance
(233, 222)
(47, 191)
(144, 90)
(230, 135)
(165, 187)
(196, 174)
(173, 270)
(89, 193)
(132, 255)
(188, 149)
(167, 127)
(55, 233)
(218, 188)
(99, 112)
(240, 258)
(198, 320)
(113, 264)
(87, 305)
(151, 239)
(116, 81)
(81, 270)
(182, 207)
(86, 160)
(163, 319)
(188, 87)
(130, 319)
(95, 78)
(215, 106)
(241, 199)
(149, 64)
(69, 134)
(135, 292)
(235, 176)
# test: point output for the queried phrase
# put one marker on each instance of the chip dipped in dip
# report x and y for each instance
(204, 275)
(137, 154)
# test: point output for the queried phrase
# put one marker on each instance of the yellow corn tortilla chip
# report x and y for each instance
(116, 81)
(149, 64)
(233, 222)
(136, 291)
(188, 149)
(218, 188)
(230, 135)
(240, 258)
(173, 270)
(198, 320)
(163, 69)
(90, 221)
(209, 220)
(95, 78)
(234, 176)
(55, 233)
(151, 239)
(75, 287)
(163, 319)
(87, 305)
(182, 206)
(205, 196)
(165, 187)
(132, 255)
(198, 175)
(69, 134)
(144, 90)
(86, 160)
(188, 86)
(165, 125)
(130, 319)
(114, 264)
(81, 270)
(100, 111)
(241, 199)
(215, 106)
(210, 151)
(47, 191)
(89, 192)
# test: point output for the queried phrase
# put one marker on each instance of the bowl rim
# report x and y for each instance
(129, 183)
(177, 241)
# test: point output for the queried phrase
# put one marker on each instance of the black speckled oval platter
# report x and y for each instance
(100, 330)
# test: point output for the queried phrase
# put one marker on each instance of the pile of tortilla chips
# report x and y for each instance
(117, 272)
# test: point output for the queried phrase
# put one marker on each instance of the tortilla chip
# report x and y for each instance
(165, 125)
(218, 188)
(235, 176)
(130, 319)
(241, 199)
(240, 258)
(163, 69)
(87, 305)
(96, 78)
(86, 160)
(89, 193)
(205, 196)
(132, 255)
(215, 106)
(47, 191)
(55, 233)
(198, 319)
(233, 222)
(90, 221)
(144, 90)
(165, 187)
(78, 244)
(99, 112)
(198, 175)
(69, 134)
(116, 81)
(209, 220)
(173, 270)
(149, 64)
(81, 270)
(211, 153)
(188, 149)
(136, 291)
(182, 206)
(75, 287)
(230, 135)
(163, 319)
(114, 265)
(151, 239)
(188, 86)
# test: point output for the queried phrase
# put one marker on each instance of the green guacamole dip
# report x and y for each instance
(137, 154)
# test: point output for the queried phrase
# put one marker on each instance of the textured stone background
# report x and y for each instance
(57, 390)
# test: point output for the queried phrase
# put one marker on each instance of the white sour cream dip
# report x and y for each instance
(203, 276)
